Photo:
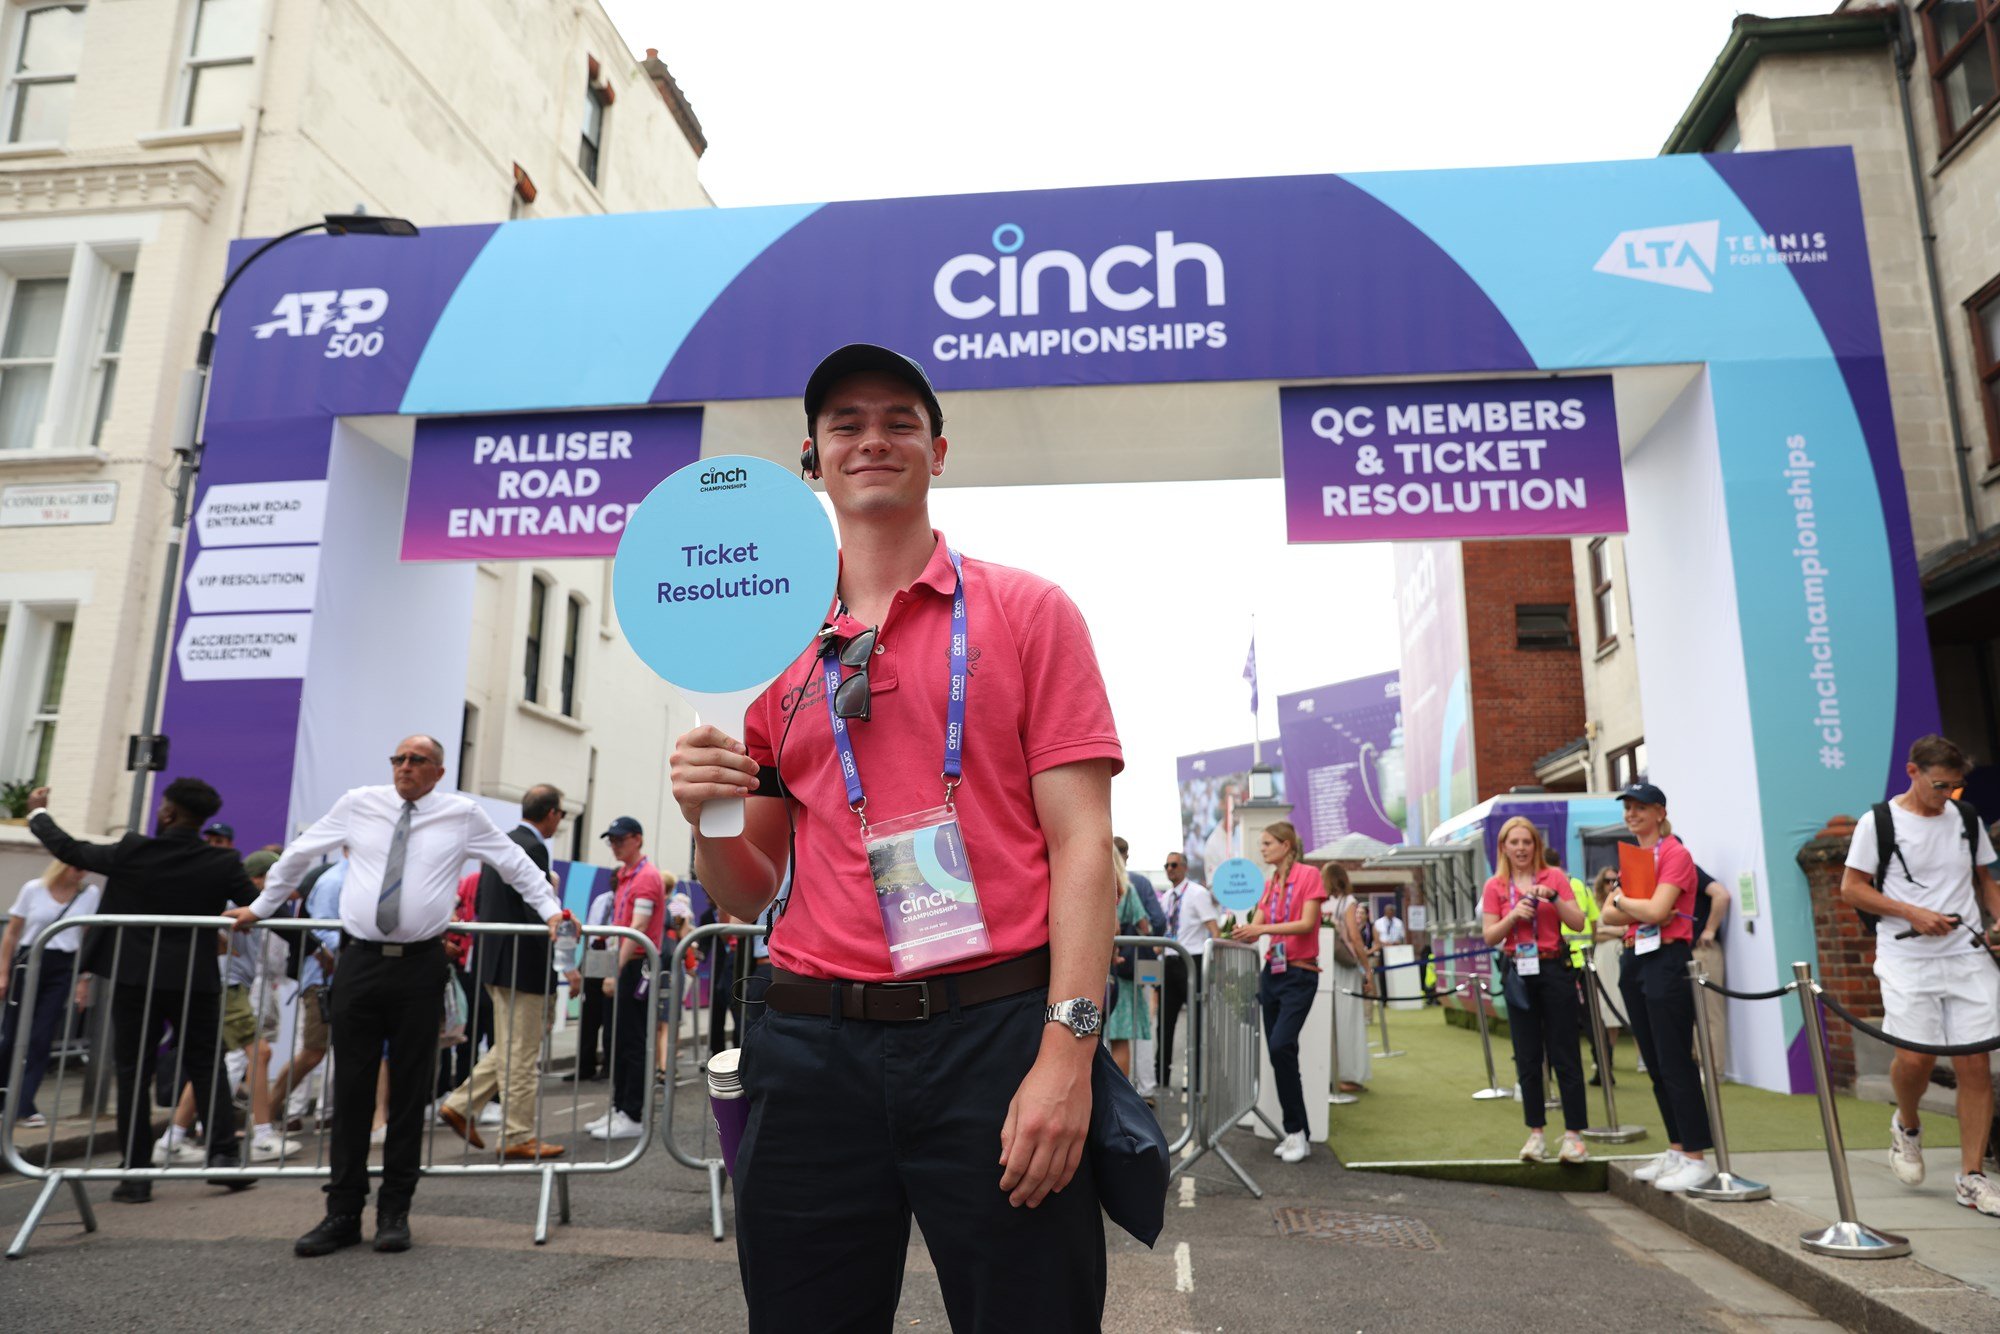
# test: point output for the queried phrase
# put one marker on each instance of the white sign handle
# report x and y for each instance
(723, 817)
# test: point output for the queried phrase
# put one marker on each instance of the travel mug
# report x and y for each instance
(727, 1103)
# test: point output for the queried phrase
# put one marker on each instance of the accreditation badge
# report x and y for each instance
(1645, 940)
(923, 888)
(1527, 959)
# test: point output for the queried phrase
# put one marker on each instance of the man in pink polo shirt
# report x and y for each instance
(939, 765)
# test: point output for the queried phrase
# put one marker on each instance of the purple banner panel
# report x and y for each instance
(1437, 693)
(1213, 783)
(538, 485)
(1344, 760)
(1451, 459)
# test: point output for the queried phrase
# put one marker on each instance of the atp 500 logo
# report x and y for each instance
(309, 314)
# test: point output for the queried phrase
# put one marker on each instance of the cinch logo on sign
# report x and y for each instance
(1679, 256)
(1122, 278)
(308, 314)
(725, 479)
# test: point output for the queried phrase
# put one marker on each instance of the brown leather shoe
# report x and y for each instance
(461, 1127)
(532, 1150)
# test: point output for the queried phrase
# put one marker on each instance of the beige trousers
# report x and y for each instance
(1710, 958)
(509, 1070)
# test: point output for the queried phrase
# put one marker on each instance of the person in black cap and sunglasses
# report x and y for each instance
(926, 1044)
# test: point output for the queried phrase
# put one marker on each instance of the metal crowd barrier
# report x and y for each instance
(701, 1160)
(1227, 1020)
(175, 1007)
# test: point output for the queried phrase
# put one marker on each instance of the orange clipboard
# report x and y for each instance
(1638, 877)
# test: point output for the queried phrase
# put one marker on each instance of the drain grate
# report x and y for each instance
(1356, 1229)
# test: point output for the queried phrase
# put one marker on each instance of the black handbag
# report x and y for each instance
(1515, 988)
(1128, 1152)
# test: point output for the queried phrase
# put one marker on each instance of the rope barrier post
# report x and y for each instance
(1612, 1131)
(1726, 1186)
(1849, 1238)
(1382, 1015)
(1475, 991)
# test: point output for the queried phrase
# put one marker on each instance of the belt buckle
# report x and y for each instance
(392, 951)
(923, 990)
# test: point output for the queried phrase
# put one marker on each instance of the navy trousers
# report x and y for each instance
(1287, 997)
(1660, 1003)
(856, 1127)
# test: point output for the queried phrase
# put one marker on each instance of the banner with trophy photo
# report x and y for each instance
(1344, 759)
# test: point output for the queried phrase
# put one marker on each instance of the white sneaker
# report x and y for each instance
(1536, 1149)
(269, 1148)
(184, 1154)
(1906, 1152)
(1691, 1173)
(598, 1124)
(1573, 1150)
(32, 1121)
(1659, 1166)
(490, 1116)
(621, 1126)
(1278, 1149)
(1297, 1147)
(1975, 1191)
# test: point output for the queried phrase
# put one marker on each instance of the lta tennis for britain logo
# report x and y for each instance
(1686, 255)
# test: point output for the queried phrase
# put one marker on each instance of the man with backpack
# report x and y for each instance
(1916, 871)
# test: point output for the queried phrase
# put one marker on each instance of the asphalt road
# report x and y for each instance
(638, 1255)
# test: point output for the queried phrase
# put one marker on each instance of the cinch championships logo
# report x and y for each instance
(1686, 255)
(1008, 285)
(309, 314)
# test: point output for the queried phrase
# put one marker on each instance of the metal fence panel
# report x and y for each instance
(174, 1004)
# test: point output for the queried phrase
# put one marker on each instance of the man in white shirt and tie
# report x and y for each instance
(1192, 918)
(405, 843)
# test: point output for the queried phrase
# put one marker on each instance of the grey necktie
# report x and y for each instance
(389, 908)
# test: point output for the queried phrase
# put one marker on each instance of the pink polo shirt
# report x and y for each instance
(1287, 903)
(1500, 896)
(1035, 701)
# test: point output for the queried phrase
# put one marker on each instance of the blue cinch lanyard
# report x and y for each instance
(954, 725)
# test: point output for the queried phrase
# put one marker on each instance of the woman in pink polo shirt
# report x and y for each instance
(1652, 977)
(1522, 912)
(1289, 914)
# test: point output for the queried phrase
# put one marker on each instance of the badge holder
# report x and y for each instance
(923, 888)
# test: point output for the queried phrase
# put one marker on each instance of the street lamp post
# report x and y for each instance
(146, 752)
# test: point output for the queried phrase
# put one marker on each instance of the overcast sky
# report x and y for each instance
(815, 102)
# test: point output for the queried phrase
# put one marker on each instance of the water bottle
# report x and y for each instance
(568, 936)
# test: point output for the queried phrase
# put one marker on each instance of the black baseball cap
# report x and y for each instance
(863, 359)
(1645, 794)
(219, 829)
(622, 826)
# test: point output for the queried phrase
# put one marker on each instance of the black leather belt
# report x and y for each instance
(907, 1002)
(392, 949)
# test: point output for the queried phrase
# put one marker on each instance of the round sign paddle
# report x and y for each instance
(1237, 884)
(724, 574)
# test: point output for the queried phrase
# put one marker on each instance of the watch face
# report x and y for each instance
(1084, 1017)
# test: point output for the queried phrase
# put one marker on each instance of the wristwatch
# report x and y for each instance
(1081, 1016)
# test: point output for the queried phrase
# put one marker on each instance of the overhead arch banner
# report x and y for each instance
(1773, 483)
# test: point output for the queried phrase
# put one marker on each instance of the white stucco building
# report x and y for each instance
(140, 138)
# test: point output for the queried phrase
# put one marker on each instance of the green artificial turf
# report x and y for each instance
(1419, 1108)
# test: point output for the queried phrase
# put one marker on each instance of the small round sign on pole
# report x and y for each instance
(1237, 884)
(724, 574)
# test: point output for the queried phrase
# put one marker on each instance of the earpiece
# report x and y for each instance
(809, 461)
